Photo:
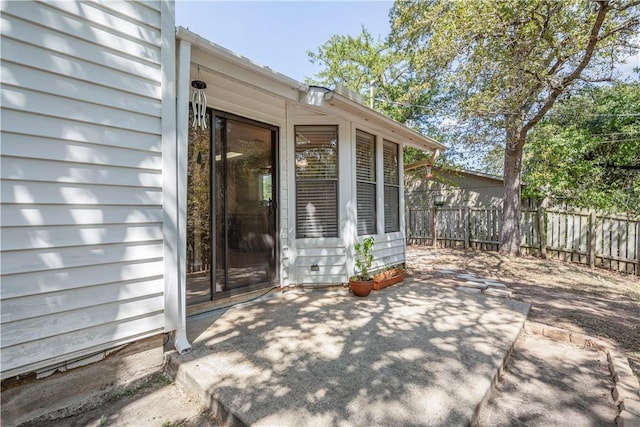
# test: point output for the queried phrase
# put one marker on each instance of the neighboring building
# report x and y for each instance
(458, 187)
(119, 218)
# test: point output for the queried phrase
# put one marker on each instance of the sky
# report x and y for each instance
(278, 34)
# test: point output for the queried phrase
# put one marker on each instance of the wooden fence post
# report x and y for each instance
(467, 226)
(542, 231)
(592, 239)
(434, 226)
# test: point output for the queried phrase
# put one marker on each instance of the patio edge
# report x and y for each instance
(626, 388)
(218, 411)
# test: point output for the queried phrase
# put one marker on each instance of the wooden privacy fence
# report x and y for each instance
(586, 237)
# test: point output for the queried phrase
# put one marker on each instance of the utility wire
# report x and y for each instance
(506, 113)
(616, 141)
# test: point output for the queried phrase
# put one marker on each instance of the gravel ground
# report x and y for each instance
(550, 383)
(594, 302)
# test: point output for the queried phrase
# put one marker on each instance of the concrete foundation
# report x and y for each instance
(63, 393)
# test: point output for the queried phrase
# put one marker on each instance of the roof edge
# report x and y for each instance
(423, 163)
(414, 136)
(415, 139)
(242, 61)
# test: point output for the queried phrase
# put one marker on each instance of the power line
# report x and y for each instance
(615, 133)
(619, 140)
(506, 113)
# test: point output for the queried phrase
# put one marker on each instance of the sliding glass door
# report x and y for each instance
(232, 212)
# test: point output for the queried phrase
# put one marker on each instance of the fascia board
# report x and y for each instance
(409, 136)
(239, 60)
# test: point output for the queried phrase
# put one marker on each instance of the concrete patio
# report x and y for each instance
(413, 354)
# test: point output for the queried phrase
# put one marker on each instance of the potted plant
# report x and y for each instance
(362, 283)
(388, 277)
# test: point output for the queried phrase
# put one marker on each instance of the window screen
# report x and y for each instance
(316, 181)
(391, 187)
(366, 182)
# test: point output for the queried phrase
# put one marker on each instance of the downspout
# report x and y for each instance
(181, 342)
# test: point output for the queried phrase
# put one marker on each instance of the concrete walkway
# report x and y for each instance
(409, 355)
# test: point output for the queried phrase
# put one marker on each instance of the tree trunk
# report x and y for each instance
(510, 233)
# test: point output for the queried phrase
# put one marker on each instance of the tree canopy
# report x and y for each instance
(491, 70)
(505, 64)
(374, 68)
(586, 153)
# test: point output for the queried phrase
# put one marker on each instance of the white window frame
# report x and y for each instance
(300, 228)
(391, 186)
(373, 226)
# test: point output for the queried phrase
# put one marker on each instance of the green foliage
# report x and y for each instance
(587, 152)
(506, 57)
(369, 66)
(364, 257)
(504, 63)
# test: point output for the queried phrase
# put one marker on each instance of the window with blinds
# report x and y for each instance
(316, 181)
(366, 182)
(391, 187)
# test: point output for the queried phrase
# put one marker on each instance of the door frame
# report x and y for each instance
(275, 140)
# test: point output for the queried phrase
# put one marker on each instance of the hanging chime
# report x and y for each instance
(199, 103)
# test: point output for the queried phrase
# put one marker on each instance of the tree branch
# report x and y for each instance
(630, 5)
(600, 80)
(626, 26)
(557, 91)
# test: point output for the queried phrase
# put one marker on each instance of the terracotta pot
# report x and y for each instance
(361, 288)
(387, 278)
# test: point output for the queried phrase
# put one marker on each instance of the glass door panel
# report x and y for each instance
(231, 212)
(248, 214)
(199, 237)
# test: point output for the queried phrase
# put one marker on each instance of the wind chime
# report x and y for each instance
(199, 103)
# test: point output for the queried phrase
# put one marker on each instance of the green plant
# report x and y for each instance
(364, 258)
(395, 267)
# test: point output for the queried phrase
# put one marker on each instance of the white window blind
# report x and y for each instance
(316, 181)
(366, 182)
(391, 187)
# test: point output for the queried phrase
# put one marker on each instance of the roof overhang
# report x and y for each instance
(318, 96)
(245, 63)
(309, 95)
(465, 172)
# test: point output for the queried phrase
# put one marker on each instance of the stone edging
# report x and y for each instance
(626, 388)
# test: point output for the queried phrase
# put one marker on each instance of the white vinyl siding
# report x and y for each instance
(81, 169)
(366, 182)
(330, 259)
(388, 250)
(316, 158)
(391, 187)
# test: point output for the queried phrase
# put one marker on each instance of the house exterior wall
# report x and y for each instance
(232, 88)
(82, 177)
(335, 256)
(458, 188)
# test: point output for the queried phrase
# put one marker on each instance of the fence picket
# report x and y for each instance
(602, 240)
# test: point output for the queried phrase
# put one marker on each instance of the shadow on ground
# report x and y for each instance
(411, 354)
(549, 383)
(595, 302)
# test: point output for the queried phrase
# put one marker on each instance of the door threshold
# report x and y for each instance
(200, 308)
